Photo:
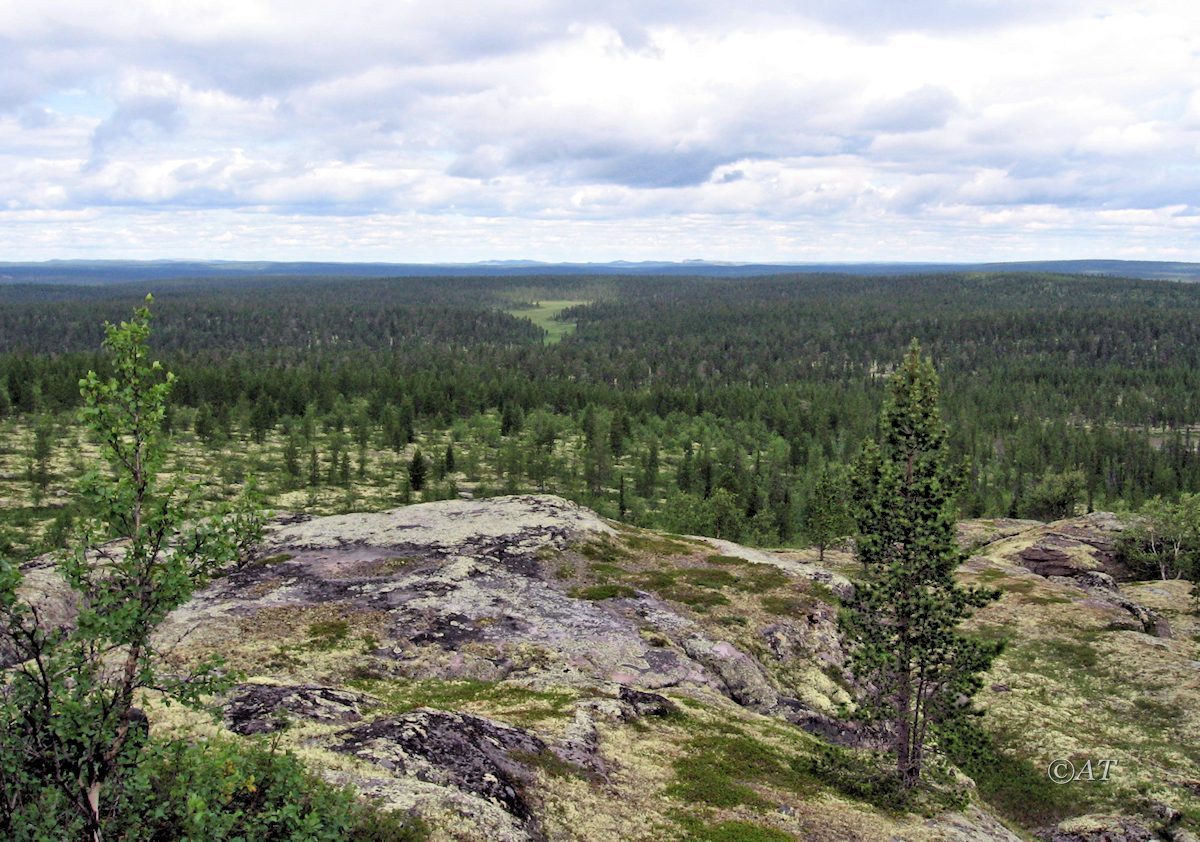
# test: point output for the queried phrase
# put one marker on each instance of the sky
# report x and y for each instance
(586, 130)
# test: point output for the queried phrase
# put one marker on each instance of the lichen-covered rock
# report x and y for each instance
(1098, 828)
(1103, 587)
(514, 525)
(813, 636)
(1070, 547)
(740, 674)
(55, 602)
(979, 532)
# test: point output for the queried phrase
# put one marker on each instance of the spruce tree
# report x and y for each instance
(417, 469)
(291, 457)
(902, 624)
(827, 517)
(39, 466)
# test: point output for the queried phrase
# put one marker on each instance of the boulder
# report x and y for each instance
(741, 676)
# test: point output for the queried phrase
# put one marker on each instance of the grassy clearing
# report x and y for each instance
(545, 314)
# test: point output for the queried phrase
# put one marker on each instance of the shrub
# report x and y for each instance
(224, 789)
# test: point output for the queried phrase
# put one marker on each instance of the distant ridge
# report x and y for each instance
(95, 272)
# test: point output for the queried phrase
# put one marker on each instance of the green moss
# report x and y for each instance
(699, 830)
(823, 593)
(1159, 716)
(278, 558)
(654, 544)
(857, 775)
(605, 570)
(551, 764)
(695, 597)
(718, 770)
(763, 577)
(992, 633)
(598, 592)
(658, 580)
(602, 549)
(327, 634)
(1068, 653)
(1012, 785)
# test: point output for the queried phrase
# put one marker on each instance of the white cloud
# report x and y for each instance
(570, 130)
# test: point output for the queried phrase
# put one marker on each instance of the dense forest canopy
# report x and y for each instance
(700, 404)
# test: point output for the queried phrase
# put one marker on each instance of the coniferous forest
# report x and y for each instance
(697, 405)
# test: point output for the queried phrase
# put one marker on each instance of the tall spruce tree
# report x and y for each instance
(902, 624)
(827, 516)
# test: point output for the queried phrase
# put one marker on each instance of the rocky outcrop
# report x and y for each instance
(519, 668)
(1074, 547)
(1081, 552)
(472, 591)
(500, 527)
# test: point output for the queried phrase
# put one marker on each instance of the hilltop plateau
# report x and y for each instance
(520, 668)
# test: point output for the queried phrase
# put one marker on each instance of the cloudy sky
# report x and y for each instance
(592, 130)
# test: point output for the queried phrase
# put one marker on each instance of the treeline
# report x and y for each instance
(734, 391)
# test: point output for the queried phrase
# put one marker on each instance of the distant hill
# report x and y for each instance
(95, 272)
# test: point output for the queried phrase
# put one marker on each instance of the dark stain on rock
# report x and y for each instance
(262, 708)
(468, 752)
(447, 631)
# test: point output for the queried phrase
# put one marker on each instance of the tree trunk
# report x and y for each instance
(93, 797)
(904, 753)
